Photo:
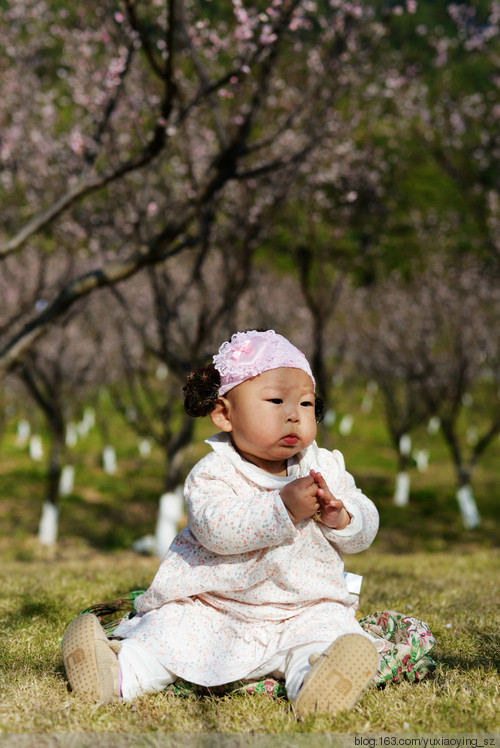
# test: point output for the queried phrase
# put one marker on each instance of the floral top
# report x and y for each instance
(242, 553)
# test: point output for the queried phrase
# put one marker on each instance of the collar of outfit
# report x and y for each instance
(297, 466)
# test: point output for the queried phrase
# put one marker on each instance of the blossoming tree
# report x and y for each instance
(125, 126)
(429, 344)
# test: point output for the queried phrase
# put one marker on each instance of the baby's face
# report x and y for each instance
(273, 417)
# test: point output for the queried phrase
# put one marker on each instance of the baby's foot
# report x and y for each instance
(90, 659)
(338, 677)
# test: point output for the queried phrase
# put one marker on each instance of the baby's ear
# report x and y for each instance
(220, 415)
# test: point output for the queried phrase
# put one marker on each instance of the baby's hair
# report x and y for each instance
(201, 391)
(319, 409)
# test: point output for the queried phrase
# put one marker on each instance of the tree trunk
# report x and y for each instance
(49, 522)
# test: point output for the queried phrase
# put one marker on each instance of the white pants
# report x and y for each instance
(140, 671)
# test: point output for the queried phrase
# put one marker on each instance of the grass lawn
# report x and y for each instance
(422, 564)
(457, 594)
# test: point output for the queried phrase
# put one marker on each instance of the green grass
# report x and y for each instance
(455, 594)
(423, 563)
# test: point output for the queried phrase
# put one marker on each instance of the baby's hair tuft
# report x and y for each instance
(201, 391)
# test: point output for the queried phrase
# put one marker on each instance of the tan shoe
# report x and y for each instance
(338, 677)
(90, 659)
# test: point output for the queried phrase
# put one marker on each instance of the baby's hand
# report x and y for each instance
(333, 512)
(299, 497)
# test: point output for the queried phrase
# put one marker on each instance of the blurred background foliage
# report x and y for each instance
(172, 171)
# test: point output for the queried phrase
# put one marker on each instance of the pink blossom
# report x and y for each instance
(77, 143)
(267, 36)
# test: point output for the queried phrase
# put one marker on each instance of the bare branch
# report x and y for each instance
(91, 153)
(139, 29)
(107, 275)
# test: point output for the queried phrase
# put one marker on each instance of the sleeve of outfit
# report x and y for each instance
(363, 527)
(225, 519)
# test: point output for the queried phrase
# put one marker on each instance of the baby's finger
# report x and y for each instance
(320, 481)
(307, 480)
(335, 505)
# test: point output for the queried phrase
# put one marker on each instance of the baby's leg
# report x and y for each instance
(140, 671)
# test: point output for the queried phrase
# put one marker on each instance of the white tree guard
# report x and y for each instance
(329, 417)
(49, 522)
(405, 445)
(144, 448)
(23, 433)
(36, 448)
(345, 426)
(402, 490)
(109, 460)
(67, 480)
(434, 425)
(421, 457)
(89, 418)
(468, 507)
(169, 514)
(71, 434)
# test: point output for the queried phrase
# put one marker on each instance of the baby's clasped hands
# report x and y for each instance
(333, 512)
(304, 497)
(300, 498)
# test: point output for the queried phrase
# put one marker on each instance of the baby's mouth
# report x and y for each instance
(291, 439)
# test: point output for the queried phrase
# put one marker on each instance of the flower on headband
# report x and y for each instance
(243, 348)
(251, 353)
(247, 353)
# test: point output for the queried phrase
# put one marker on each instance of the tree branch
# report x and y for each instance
(147, 47)
(80, 287)
(83, 188)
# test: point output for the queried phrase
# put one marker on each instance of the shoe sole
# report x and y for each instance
(90, 660)
(339, 676)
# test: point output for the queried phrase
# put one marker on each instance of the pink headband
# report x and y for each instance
(250, 353)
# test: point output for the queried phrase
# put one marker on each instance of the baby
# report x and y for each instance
(254, 585)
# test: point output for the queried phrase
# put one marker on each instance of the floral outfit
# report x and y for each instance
(243, 582)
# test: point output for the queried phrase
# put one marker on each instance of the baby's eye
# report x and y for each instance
(275, 400)
(307, 404)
